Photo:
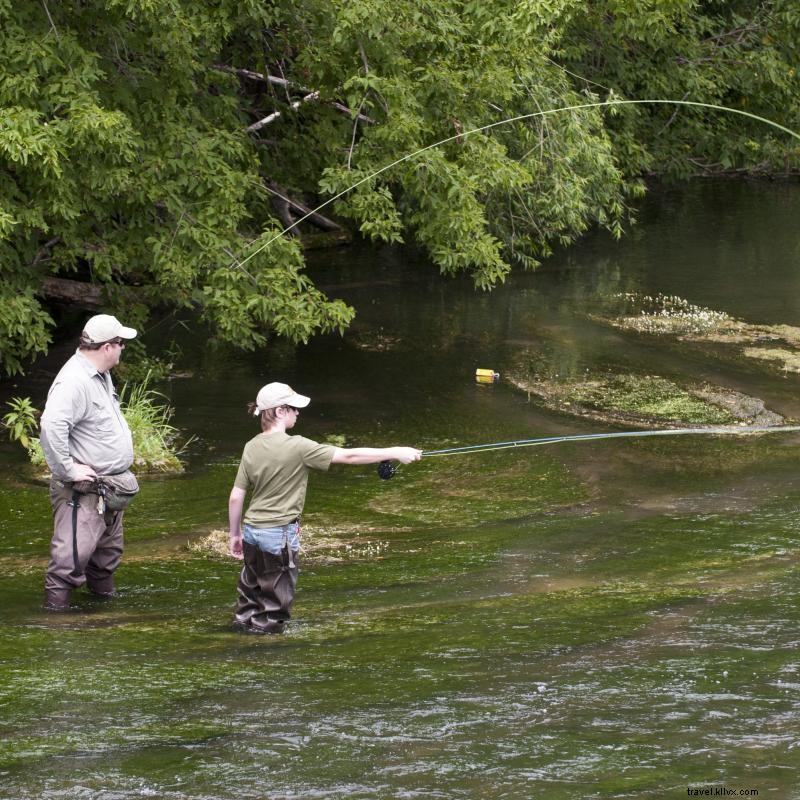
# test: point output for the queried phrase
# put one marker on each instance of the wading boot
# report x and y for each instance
(270, 626)
(102, 587)
(56, 600)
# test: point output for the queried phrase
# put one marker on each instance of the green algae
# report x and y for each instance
(429, 621)
(649, 396)
(645, 400)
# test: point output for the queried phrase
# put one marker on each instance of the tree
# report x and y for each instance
(153, 151)
(126, 163)
(739, 54)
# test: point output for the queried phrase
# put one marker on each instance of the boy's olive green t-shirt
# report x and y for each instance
(275, 467)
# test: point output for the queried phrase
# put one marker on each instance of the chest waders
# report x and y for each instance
(267, 586)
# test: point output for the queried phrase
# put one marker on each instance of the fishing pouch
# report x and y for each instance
(116, 491)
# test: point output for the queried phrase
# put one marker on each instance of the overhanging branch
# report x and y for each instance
(286, 203)
(288, 86)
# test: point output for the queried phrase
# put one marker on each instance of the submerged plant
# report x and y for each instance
(669, 314)
(320, 543)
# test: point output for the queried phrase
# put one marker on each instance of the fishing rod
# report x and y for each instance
(387, 469)
(239, 263)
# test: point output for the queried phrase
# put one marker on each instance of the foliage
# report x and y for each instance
(126, 161)
(735, 53)
(22, 423)
(139, 367)
(24, 324)
(145, 411)
(148, 416)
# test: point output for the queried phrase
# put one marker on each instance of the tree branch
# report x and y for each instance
(355, 131)
(257, 126)
(316, 219)
(52, 24)
(672, 118)
(45, 248)
(285, 84)
(258, 76)
(281, 205)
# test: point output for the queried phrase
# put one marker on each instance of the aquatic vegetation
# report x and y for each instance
(648, 396)
(320, 543)
(375, 341)
(668, 314)
(672, 315)
(148, 415)
(21, 423)
(788, 360)
(146, 412)
(648, 400)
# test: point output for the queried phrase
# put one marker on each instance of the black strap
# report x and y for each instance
(76, 504)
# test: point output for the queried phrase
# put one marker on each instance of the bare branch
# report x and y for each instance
(52, 24)
(355, 130)
(359, 117)
(288, 86)
(44, 250)
(363, 56)
(673, 117)
(315, 218)
(258, 76)
(257, 126)
(281, 205)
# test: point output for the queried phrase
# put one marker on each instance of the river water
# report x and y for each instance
(617, 618)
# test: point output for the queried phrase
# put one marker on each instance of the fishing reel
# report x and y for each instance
(386, 470)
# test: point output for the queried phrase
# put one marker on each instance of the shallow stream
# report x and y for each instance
(616, 618)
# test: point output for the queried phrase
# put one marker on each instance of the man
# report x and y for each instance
(84, 435)
(275, 467)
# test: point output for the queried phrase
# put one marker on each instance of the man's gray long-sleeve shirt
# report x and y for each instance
(82, 422)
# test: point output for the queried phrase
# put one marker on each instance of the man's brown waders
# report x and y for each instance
(86, 547)
(266, 589)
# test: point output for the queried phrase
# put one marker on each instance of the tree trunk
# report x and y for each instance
(80, 293)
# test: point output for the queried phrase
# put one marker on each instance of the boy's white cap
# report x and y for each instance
(279, 394)
(104, 328)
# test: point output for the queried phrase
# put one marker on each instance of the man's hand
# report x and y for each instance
(83, 472)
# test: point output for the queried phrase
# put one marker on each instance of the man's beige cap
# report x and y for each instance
(104, 328)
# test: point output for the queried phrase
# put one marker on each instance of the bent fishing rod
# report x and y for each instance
(461, 135)
(387, 469)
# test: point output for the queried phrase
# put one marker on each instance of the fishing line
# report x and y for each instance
(387, 469)
(507, 121)
(586, 437)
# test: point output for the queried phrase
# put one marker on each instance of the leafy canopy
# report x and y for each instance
(141, 141)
